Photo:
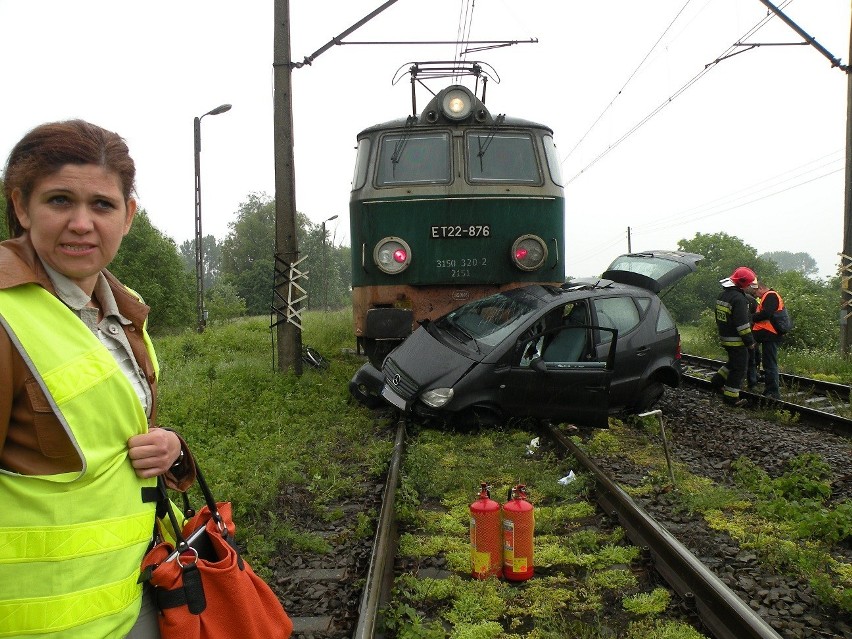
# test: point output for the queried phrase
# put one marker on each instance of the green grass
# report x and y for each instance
(259, 434)
(580, 568)
(788, 521)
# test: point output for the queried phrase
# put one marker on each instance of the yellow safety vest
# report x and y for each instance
(71, 543)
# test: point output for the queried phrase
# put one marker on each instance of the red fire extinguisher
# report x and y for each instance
(518, 525)
(486, 545)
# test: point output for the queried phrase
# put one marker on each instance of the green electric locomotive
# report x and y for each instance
(449, 205)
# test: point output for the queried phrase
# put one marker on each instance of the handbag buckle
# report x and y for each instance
(180, 556)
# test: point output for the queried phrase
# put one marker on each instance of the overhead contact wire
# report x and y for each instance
(463, 30)
(675, 95)
(731, 198)
(632, 75)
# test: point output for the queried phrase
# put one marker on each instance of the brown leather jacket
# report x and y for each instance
(32, 440)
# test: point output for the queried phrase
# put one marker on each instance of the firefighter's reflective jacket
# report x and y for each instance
(733, 318)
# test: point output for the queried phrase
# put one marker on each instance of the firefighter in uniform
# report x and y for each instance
(733, 321)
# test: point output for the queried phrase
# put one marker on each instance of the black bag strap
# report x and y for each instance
(210, 501)
(190, 595)
(214, 513)
(164, 509)
(188, 510)
(166, 504)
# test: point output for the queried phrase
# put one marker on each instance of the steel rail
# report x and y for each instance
(380, 572)
(842, 424)
(842, 391)
(721, 610)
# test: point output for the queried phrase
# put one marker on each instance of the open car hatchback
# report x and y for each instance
(576, 353)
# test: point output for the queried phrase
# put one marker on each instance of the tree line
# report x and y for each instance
(813, 303)
(238, 275)
(238, 271)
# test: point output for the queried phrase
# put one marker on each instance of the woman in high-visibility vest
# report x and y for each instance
(79, 450)
(768, 303)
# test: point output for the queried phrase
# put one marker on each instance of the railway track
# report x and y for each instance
(719, 610)
(718, 607)
(823, 402)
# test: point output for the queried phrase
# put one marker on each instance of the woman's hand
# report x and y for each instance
(153, 453)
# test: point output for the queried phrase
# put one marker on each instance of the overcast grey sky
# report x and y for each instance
(752, 146)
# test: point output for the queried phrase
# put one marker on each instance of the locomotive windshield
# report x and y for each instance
(502, 157)
(409, 158)
(425, 158)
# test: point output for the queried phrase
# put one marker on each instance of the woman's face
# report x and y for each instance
(76, 219)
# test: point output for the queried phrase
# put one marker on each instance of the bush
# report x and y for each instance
(223, 303)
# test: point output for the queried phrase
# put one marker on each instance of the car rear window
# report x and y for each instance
(664, 320)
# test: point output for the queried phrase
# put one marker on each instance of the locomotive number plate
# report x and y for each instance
(471, 230)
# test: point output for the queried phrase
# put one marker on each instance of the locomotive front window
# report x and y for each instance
(361, 164)
(414, 158)
(553, 162)
(502, 157)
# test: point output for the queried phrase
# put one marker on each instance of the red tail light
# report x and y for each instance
(677, 350)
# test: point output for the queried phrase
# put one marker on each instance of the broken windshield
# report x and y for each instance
(489, 320)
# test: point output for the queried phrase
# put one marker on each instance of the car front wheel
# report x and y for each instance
(478, 416)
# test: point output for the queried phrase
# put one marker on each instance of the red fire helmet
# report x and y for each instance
(743, 277)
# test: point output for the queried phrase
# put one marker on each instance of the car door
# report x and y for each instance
(633, 355)
(552, 376)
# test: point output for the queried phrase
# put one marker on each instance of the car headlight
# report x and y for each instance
(392, 255)
(529, 252)
(437, 397)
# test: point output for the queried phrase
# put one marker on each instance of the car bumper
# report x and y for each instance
(366, 385)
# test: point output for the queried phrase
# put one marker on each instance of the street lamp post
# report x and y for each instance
(324, 265)
(199, 252)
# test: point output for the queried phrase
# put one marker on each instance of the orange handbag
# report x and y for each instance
(203, 588)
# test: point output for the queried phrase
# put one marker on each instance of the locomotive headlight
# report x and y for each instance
(457, 103)
(392, 255)
(437, 397)
(529, 252)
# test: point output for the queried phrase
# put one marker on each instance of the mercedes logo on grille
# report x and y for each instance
(395, 380)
